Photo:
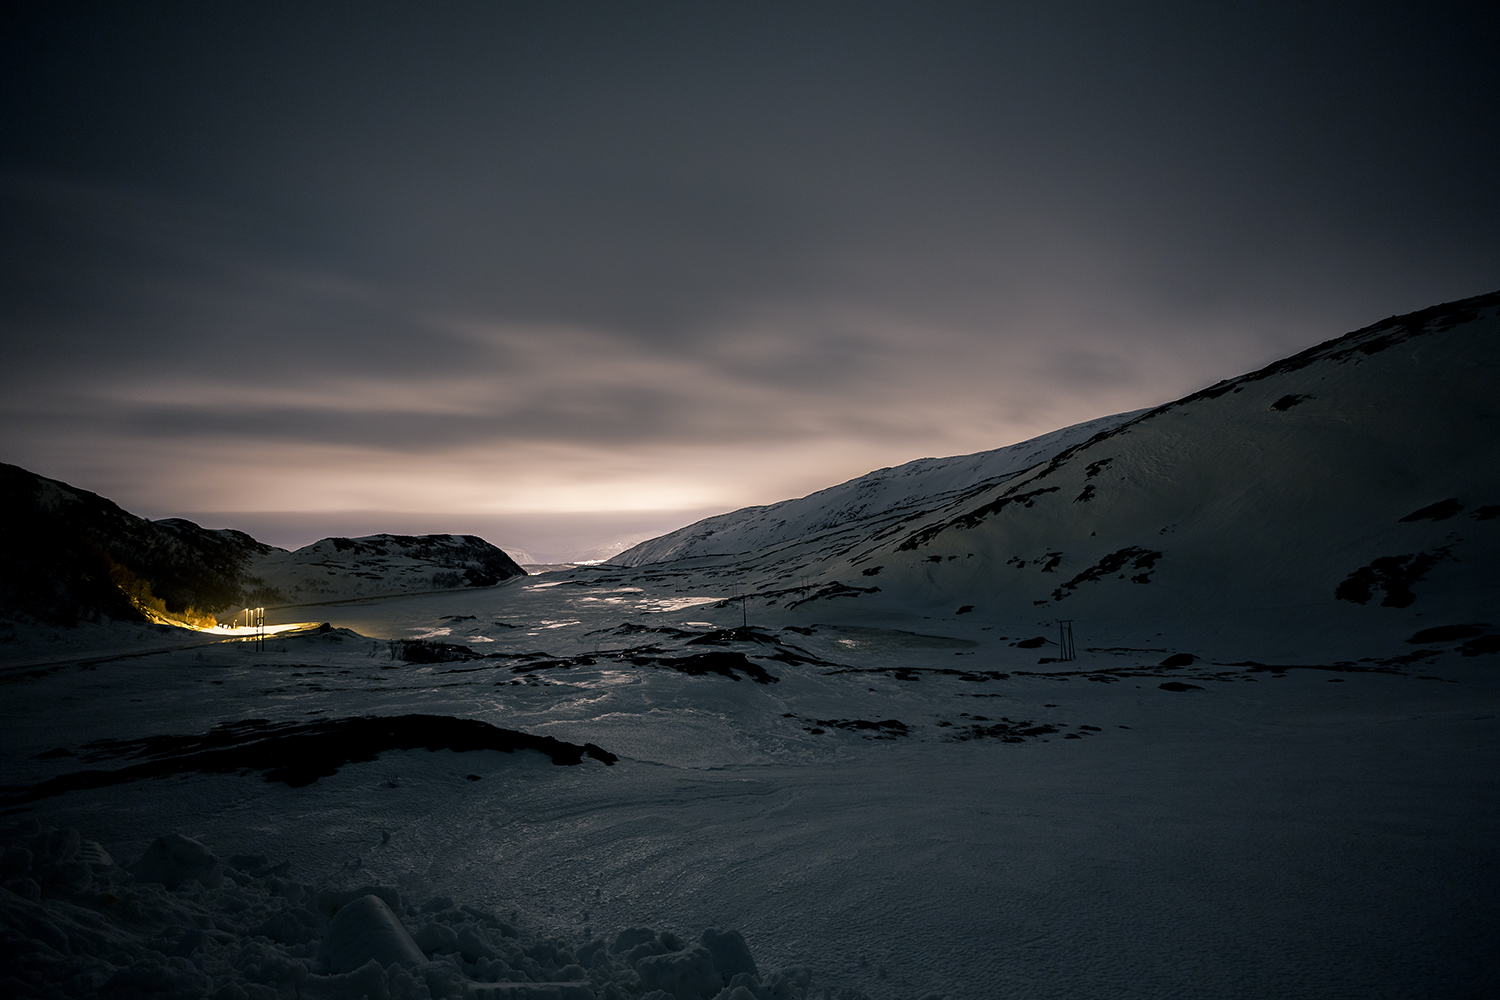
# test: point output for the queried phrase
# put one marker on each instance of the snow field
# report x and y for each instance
(1302, 832)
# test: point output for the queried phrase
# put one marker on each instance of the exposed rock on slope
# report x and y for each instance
(1361, 472)
(68, 552)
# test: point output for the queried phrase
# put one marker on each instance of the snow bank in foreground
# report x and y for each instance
(184, 923)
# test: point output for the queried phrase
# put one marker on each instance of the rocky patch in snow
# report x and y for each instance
(297, 754)
(720, 662)
(1394, 575)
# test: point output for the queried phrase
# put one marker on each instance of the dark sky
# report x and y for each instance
(560, 272)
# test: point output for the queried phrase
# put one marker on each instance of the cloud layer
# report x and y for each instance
(481, 261)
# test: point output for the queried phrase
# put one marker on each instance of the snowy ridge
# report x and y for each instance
(927, 483)
(1359, 473)
(1352, 461)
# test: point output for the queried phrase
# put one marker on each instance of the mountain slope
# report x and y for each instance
(1361, 472)
(885, 496)
(66, 549)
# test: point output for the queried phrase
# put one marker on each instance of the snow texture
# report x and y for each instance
(845, 727)
(870, 502)
(74, 924)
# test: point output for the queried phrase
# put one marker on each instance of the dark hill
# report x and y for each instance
(71, 554)
(63, 545)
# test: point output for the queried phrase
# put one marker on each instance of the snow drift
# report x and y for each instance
(181, 922)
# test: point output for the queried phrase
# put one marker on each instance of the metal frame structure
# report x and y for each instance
(1065, 639)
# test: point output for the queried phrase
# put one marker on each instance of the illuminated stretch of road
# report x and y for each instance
(253, 630)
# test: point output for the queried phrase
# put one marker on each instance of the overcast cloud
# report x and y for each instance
(509, 268)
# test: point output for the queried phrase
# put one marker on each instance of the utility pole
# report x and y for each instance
(1065, 639)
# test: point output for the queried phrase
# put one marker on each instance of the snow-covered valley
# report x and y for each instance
(902, 812)
(847, 727)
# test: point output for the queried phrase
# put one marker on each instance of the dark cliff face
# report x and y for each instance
(48, 569)
(65, 549)
(192, 566)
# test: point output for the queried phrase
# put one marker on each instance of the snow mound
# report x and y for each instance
(365, 930)
(174, 859)
(74, 924)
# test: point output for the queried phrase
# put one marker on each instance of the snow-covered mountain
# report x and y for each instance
(336, 569)
(1364, 471)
